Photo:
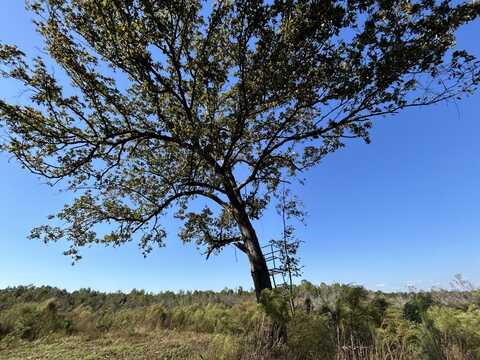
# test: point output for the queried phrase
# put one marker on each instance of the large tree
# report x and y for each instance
(171, 101)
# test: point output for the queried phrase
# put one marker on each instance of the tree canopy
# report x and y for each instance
(171, 101)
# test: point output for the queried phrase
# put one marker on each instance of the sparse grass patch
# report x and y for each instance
(161, 345)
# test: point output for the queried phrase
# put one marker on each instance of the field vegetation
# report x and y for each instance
(327, 322)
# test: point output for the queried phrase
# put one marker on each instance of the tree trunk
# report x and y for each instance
(261, 278)
(258, 265)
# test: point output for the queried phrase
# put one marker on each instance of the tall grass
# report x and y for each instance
(337, 323)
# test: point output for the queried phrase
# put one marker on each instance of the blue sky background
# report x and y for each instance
(404, 210)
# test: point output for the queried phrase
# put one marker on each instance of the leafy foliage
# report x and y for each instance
(417, 307)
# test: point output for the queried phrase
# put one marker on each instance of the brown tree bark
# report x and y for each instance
(251, 246)
(258, 265)
(261, 277)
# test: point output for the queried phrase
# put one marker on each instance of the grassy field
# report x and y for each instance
(161, 345)
(337, 322)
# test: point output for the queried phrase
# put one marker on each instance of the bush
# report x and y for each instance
(415, 309)
(30, 321)
(397, 336)
(83, 320)
(451, 333)
(310, 337)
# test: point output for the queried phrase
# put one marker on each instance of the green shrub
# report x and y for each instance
(275, 306)
(83, 320)
(397, 336)
(451, 333)
(310, 337)
(415, 309)
(29, 320)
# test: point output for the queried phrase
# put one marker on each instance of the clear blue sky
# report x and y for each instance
(403, 210)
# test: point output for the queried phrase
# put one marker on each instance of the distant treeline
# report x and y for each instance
(326, 322)
(461, 296)
(98, 300)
